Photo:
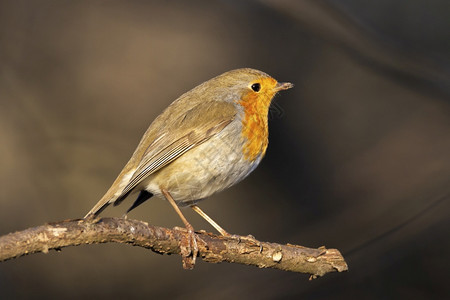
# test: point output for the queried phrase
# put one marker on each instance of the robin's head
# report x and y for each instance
(251, 85)
(253, 91)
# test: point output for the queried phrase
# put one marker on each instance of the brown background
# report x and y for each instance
(359, 154)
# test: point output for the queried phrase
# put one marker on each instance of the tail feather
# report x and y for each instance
(111, 195)
(109, 198)
(99, 207)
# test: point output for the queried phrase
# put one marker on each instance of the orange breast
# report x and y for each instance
(255, 124)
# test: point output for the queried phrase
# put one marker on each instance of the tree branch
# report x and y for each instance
(212, 248)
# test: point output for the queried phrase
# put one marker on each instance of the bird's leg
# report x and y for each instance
(222, 231)
(191, 246)
(210, 221)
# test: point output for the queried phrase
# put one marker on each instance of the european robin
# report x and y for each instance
(208, 139)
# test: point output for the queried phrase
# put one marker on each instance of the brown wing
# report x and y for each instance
(172, 134)
(192, 129)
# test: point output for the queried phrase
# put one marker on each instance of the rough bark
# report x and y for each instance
(212, 248)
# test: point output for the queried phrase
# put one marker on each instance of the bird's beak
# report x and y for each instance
(283, 86)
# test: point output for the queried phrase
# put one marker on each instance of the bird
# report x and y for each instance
(207, 140)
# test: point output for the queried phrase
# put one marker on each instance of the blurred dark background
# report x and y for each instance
(359, 154)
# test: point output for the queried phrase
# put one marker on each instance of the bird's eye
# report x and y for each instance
(256, 87)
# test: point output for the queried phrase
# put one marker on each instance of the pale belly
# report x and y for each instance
(209, 168)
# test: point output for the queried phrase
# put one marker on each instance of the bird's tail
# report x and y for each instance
(114, 194)
(111, 196)
(100, 206)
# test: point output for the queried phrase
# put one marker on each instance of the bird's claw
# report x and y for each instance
(189, 248)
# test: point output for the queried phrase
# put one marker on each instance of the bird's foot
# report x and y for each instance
(189, 248)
